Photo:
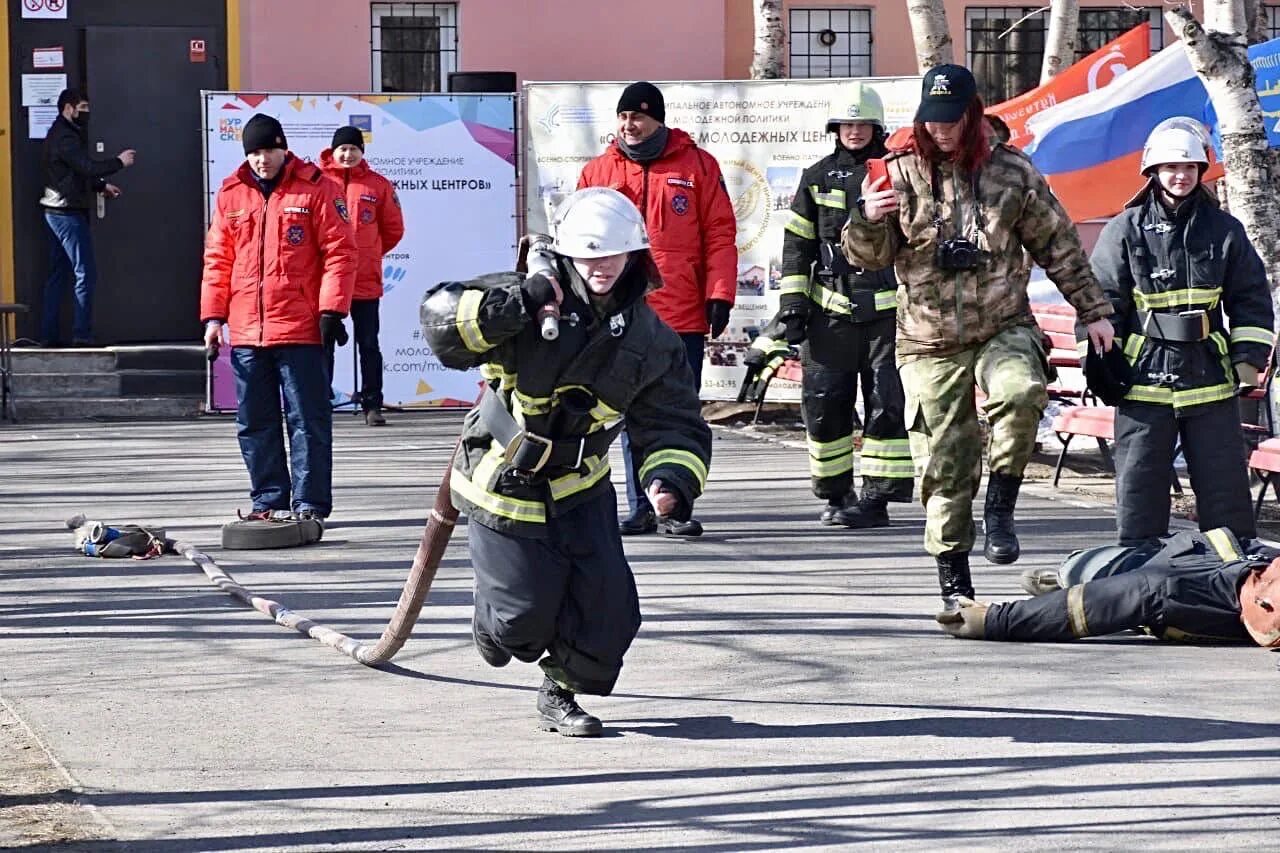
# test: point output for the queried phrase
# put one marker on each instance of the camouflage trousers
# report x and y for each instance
(942, 424)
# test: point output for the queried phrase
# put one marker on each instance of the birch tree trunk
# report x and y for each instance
(1255, 16)
(1062, 40)
(930, 33)
(771, 41)
(1221, 61)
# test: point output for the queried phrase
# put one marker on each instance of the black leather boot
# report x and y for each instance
(641, 521)
(834, 505)
(1001, 544)
(870, 511)
(559, 711)
(954, 579)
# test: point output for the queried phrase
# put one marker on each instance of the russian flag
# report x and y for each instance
(1090, 147)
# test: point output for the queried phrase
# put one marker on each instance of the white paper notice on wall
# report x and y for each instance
(44, 8)
(42, 90)
(39, 120)
(43, 58)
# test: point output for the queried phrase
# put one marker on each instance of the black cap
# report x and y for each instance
(644, 98)
(262, 131)
(348, 136)
(1107, 374)
(946, 93)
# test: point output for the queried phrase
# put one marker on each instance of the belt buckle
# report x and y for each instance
(517, 442)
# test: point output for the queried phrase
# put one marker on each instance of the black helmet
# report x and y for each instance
(1107, 374)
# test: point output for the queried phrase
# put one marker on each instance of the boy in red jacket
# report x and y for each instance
(379, 225)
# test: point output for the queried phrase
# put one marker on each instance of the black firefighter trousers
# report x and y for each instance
(1213, 446)
(571, 595)
(837, 357)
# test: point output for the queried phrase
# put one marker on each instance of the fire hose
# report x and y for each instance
(435, 537)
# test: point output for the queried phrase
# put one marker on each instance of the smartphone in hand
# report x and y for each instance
(876, 169)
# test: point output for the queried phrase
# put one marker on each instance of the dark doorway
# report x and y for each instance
(145, 92)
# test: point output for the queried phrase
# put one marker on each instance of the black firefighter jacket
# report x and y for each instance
(1154, 263)
(71, 176)
(623, 361)
(814, 269)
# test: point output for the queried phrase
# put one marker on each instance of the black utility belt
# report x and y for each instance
(1183, 327)
(529, 452)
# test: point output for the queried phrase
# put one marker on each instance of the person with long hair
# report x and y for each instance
(957, 221)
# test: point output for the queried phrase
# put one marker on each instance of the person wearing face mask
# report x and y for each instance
(957, 219)
(679, 190)
(279, 270)
(532, 470)
(71, 179)
(379, 225)
(843, 318)
(1173, 263)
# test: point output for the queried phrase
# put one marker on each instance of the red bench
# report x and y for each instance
(1265, 460)
(1097, 422)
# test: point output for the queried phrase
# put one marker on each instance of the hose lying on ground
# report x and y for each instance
(435, 536)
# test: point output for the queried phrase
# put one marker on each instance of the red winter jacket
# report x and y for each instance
(375, 212)
(692, 230)
(271, 265)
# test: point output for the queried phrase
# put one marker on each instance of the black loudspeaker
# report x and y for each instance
(482, 81)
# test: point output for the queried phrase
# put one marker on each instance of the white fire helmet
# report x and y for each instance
(1180, 139)
(597, 222)
(861, 104)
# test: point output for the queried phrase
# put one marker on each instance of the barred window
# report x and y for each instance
(1272, 26)
(1099, 26)
(830, 42)
(414, 46)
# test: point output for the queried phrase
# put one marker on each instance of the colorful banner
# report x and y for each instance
(1265, 59)
(1093, 72)
(764, 133)
(452, 159)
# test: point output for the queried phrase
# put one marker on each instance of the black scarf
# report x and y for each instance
(649, 149)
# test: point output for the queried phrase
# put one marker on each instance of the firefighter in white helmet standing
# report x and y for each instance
(843, 318)
(532, 474)
(1173, 263)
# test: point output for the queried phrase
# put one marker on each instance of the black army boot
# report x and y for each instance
(954, 579)
(869, 511)
(639, 522)
(834, 505)
(997, 520)
(493, 654)
(560, 712)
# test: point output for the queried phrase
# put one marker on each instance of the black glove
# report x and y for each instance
(332, 331)
(717, 316)
(535, 292)
(795, 331)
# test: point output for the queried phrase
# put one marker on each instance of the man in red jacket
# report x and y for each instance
(279, 269)
(679, 189)
(379, 225)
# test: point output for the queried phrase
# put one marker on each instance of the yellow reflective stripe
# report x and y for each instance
(532, 405)
(572, 483)
(1252, 335)
(1187, 297)
(834, 198)
(831, 302)
(1150, 394)
(896, 469)
(1199, 396)
(889, 448)
(490, 371)
(473, 490)
(801, 227)
(886, 299)
(683, 458)
(827, 449)
(1219, 341)
(832, 467)
(1133, 346)
(604, 416)
(1075, 611)
(468, 321)
(794, 284)
(1223, 542)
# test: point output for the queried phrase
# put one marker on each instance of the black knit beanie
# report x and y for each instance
(348, 136)
(644, 98)
(262, 131)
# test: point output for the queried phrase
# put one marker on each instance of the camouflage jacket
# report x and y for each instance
(942, 312)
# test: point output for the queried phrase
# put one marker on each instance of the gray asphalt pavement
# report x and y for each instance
(789, 689)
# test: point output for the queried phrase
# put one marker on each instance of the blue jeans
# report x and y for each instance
(636, 499)
(70, 254)
(298, 372)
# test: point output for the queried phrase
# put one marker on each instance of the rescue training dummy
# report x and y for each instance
(532, 469)
(1194, 587)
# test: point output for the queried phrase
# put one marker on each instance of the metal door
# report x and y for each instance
(144, 89)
